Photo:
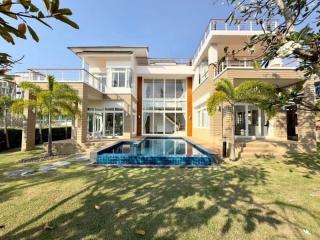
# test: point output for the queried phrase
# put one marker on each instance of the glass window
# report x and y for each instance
(170, 123)
(181, 106)
(118, 124)
(158, 105)
(181, 88)
(148, 89)
(158, 123)
(181, 122)
(170, 105)
(158, 89)
(120, 77)
(148, 123)
(148, 105)
(203, 120)
(170, 88)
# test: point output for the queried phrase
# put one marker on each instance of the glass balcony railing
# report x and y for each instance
(222, 25)
(62, 75)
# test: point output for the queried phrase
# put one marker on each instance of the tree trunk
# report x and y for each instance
(49, 136)
(232, 141)
(73, 129)
(66, 129)
(288, 16)
(5, 123)
(40, 131)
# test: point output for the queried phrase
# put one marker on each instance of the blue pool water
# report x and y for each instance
(155, 151)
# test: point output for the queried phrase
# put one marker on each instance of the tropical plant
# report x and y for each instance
(14, 22)
(283, 40)
(5, 103)
(58, 99)
(295, 38)
(254, 92)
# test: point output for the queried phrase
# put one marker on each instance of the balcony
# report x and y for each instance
(242, 62)
(221, 25)
(62, 75)
(169, 61)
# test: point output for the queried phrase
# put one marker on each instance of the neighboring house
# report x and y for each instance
(125, 93)
(7, 88)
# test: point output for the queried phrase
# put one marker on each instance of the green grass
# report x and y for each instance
(249, 199)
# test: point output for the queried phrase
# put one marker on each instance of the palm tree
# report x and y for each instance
(5, 103)
(254, 92)
(54, 101)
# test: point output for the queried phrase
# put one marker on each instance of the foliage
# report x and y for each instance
(5, 103)
(254, 92)
(283, 40)
(259, 93)
(15, 19)
(58, 99)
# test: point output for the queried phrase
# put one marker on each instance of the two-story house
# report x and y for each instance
(125, 93)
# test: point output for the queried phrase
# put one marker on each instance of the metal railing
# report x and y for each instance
(169, 61)
(237, 25)
(61, 75)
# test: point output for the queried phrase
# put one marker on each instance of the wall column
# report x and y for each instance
(189, 106)
(82, 119)
(306, 128)
(139, 106)
(29, 126)
(278, 126)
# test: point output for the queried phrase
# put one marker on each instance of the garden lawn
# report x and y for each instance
(248, 199)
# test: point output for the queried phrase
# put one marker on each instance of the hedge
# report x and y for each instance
(15, 136)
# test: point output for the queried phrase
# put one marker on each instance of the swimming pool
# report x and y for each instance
(155, 151)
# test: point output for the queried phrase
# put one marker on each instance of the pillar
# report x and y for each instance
(306, 127)
(82, 120)
(139, 106)
(29, 126)
(189, 106)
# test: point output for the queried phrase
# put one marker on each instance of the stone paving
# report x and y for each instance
(48, 167)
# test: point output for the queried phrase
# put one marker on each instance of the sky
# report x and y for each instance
(170, 28)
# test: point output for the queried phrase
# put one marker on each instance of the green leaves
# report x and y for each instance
(66, 20)
(33, 34)
(24, 11)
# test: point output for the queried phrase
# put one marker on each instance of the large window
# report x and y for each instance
(105, 122)
(249, 121)
(121, 77)
(164, 106)
(202, 117)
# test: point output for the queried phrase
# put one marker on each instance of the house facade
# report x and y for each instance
(126, 94)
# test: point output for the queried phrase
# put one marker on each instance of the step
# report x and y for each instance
(260, 150)
(261, 155)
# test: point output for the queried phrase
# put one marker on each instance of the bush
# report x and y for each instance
(15, 136)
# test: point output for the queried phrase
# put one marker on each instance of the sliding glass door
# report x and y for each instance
(106, 122)
(249, 121)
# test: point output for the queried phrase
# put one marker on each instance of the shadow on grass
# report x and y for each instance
(164, 202)
(309, 161)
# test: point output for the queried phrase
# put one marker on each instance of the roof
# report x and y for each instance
(139, 51)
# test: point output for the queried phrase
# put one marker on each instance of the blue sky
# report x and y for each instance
(170, 28)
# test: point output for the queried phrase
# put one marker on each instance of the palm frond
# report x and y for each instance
(214, 101)
(226, 86)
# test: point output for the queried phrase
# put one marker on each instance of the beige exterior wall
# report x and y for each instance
(221, 127)
(213, 134)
